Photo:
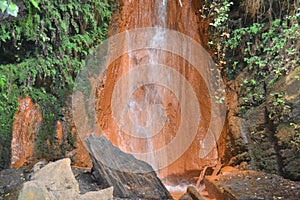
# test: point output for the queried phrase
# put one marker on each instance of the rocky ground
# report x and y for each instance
(245, 185)
(115, 175)
(233, 185)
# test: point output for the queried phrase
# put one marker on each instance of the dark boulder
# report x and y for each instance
(130, 177)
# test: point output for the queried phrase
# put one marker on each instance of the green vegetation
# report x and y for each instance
(269, 50)
(9, 7)
(258, 41)
(217, 13)
(41, 51)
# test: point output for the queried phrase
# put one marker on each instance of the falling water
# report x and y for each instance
(159, 38)
(155, 86)
(147, 107)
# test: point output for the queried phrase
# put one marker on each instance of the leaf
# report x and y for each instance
(53, 71)
(12, 9)
(3, 5)
(35, 4)
(63, 26)
(2, 81)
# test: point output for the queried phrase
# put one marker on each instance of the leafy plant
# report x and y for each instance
(270, 51)
(217, 13)
(8, 6)
(41, 55)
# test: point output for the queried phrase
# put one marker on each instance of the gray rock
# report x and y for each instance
(32, 190)
(39, 165)
(130, 177)
(56, 181)
(105, 194)
(58, 178)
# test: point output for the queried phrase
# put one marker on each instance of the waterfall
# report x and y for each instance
(157, 102)
(146, 108)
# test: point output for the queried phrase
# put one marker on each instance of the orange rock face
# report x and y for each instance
(183, 18)
(80, 155)
(59, 131)
(25, 127)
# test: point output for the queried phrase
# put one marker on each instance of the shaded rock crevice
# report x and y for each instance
(272, 137)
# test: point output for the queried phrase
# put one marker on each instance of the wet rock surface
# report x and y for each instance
(245, 185)
(26, 123)
(184, 18)
(131, 178)
(286, 124)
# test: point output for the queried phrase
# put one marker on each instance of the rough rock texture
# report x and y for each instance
(266, 135)
(79, 155)
(104, 194)
(11, 181)
(26, 124)
(262, 146)
(32, 190)
(287, 124)
(25, 127)
(249, 135)
(131, 178)
(237, 139)
(245, 185)
(135, 14)
(86, 180)
(56, 181)
(55, 176)
(192, 194)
